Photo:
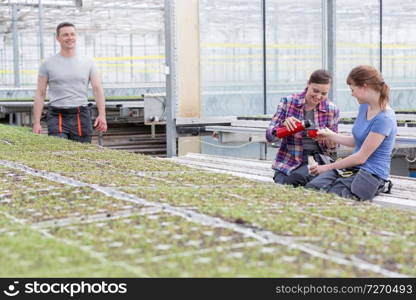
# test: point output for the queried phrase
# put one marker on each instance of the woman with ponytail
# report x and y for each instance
(363, 174)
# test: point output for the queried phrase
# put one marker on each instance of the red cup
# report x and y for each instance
(313, 133)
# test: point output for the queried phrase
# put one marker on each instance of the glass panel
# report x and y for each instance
(357, 43)
(294, 46)
(231, 57)
(126, 39)
(399, 51)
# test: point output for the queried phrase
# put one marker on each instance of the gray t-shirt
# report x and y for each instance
(308, 143)
(68, 79)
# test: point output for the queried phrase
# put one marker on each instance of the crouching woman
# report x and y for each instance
(364, 173)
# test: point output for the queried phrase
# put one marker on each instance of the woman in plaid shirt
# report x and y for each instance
(291, 164)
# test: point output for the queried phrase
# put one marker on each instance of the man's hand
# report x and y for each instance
(38, 103)
(100, 124)
(36, 128)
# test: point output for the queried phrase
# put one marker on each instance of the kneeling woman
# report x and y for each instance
(373, 138)
(291, 164)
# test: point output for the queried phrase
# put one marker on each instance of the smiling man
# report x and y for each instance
(291, 164)
(68, 75)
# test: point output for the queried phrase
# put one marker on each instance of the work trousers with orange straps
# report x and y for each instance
(70, 123)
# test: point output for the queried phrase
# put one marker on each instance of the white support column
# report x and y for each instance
(170, 70)
(16, 52)
(41, 42)
(183, 66)
(187, 25)
(329, 41)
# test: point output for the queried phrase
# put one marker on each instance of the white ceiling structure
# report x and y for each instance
(87, 15)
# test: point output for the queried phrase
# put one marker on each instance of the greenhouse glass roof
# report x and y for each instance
(97, 15)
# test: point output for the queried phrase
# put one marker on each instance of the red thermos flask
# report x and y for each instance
(283, 131)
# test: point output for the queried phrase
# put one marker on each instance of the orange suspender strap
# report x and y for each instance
(79, 123)
(60, 122)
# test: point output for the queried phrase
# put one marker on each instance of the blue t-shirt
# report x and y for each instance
(378, 163)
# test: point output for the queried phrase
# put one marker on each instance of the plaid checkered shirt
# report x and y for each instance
(290, 154)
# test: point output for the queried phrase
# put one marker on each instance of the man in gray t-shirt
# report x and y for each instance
(68, 76)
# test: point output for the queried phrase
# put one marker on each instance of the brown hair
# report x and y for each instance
(368, 75)
(320, 77)
(63, 24)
